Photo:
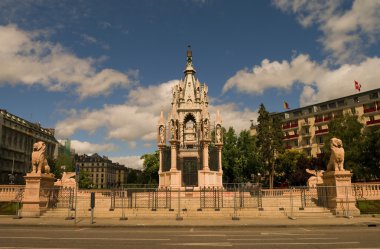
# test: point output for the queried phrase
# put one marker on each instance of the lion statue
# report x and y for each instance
(337, 155)
(39, 162)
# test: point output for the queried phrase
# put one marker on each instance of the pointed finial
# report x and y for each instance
(189, 53)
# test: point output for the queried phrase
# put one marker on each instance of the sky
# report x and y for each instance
(100, 72)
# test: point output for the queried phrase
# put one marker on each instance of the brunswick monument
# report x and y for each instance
(191, 159)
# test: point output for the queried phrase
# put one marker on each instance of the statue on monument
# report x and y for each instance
(162, 134)
(337, 155)
(39, 162)
(205, 128)
(218, 135)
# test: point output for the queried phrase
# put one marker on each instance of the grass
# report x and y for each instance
(8, 208)
(369, 207)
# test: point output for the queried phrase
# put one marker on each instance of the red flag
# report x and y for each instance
(286, 105)
(357, 86)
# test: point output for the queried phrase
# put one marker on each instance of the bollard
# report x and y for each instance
(92, 205)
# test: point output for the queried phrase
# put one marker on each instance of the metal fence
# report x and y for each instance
(231, 199)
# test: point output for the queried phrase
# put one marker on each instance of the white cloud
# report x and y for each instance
(235, 116)
(346, 32)
(137, 118)
(83, 147)
(133, 162)
(320, 82)
(275, 74)
(27, 58)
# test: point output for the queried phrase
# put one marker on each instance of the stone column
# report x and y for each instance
(160, 157)
(36, 196)
(205, 157)
(220, 159)
(173, 161)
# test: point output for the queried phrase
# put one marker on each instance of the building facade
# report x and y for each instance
(102, 171)
(191, 160)
(305, 128)
(16, 145)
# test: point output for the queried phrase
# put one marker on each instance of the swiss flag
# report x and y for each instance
(357, 86)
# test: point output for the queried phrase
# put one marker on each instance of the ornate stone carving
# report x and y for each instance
(39, 162)
(162, 134)
(218, 134)
(316, 178)
(337, 155)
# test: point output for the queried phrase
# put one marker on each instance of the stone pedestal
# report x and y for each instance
(338, 192)
(36, 195)
(175, 178)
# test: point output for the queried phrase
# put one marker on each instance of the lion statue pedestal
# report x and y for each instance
(337, 183)
(38, 184)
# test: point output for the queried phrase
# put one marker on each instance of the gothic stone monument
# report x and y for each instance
(190, 160)
(337, 183)
(39, 182)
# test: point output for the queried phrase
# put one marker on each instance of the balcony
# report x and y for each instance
(326, 119)
(371, 109)
(321, 131)
(372, 122)
(289, 137)
(318, 120)
(289, 126)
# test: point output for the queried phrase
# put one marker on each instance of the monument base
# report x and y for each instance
(170, 179)
(338, 192)
(207, 178)
(36, 196)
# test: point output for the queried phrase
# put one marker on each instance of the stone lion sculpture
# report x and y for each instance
(337, 155)
(39, 162)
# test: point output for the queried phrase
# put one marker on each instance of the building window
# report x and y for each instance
(323, 107)
(332, 105)
(307, 131)
(320, 139)
(307, 141)
(341, 103)
(374, 95)
(353, 110)
(371, 118)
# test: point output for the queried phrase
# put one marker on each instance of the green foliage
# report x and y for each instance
(349, 130)
(369, 206)
(239, 156)
(132, 177)
(65, 160)
(269, 136)
(370, 156)
(84, 180)
(56, 170)
(291, 168)
(151, 165)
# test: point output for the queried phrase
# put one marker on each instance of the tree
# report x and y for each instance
(151, 165)
(292, 166)
(370, 156)
(269, 135)
(248, 156)
(84, 180)
(65, 160)
(230, 154)
(349, 130)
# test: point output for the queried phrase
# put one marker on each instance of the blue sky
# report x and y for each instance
(101, 71)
